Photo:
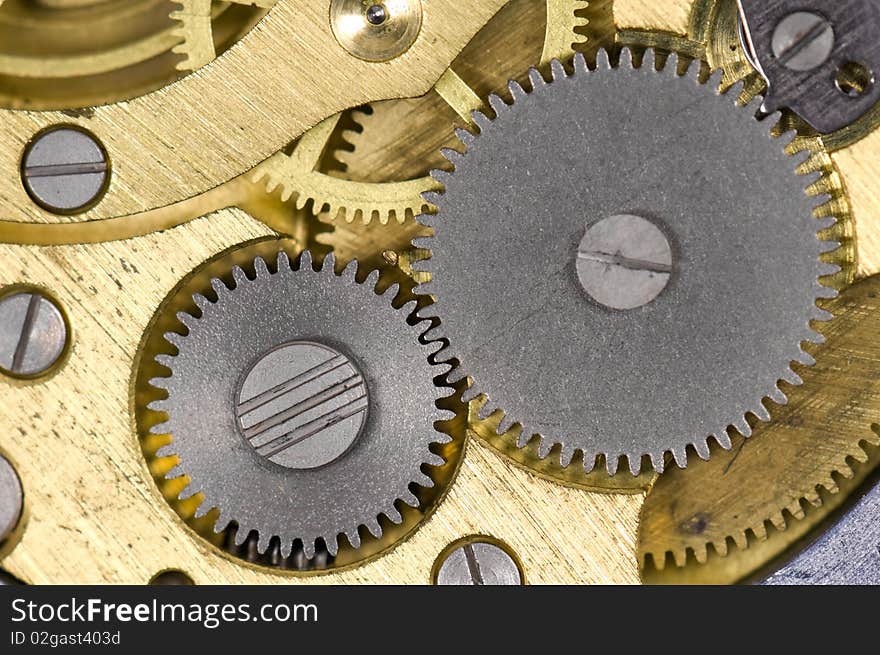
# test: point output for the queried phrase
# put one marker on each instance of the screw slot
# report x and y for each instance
(172, 577)
(65, 169)
(803, 41)
(854, 79)
(34, 333)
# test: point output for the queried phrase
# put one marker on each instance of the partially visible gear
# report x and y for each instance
(295, 175)
(195, 28)
(827, 434)
(745, 281)
(317, 453)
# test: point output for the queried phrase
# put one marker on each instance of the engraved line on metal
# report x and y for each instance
(473, 565)
(24, 338)
(331, 418)
(626, 262)
(57, 170)
(303, 406)
(292, 384)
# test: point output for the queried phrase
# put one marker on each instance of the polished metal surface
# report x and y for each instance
(11, 498)
(847, 553)
(788, 42)
(302, 405)
(65, 170)
(376, 31)
(478, 563)
(803, 41)
(624, 261)
(33, 334)
(254, 317)
(704, 353)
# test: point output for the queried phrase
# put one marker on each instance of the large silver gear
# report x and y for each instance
(682, 369)
(218, 348)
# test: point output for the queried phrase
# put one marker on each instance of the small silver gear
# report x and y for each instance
(742, 292)
(255, 488)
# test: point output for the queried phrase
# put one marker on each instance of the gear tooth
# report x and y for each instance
(309, 548)
(394, 515)
(523, 439)
(516, 91)
(466, 137)
(354, 538)
(721, 547)
(701, 553)
(470, 393)
(671, 63)
(536, 79)
(166, 451)
(693, 70)
(822, 315)
(372, 280)
(453, 156)
(373, 527)
(603, 60)
(557, 70)
(716, 79)
(498, 105)
(486, 410)
(432, 459)
(545, 445)
(157, 405)
(770, 121)
(219, 287)
(741, 540)
(777, 396)
(804, 357)
(329, 263)
(742, 426)
(423, 242)
(190, 321)
(791, 377)
(723, 440)
(240, 537)
(432, 198)
(166, 360)
(761, 412)
(441, 176)
(506, 423)
(201, 302)
(612, 463)
(239, 276)
(680, 456)
(481, 120)
(282, 262)
(634, 464)
(566, 455)
(306, 263)
(286, 548)
(754, 107)
(261, 268)
(410, 499)
(264, 541)
(160, 428)
(580, 63)
(188, 492)
(455, 375)
(658, 461)
(702, 448)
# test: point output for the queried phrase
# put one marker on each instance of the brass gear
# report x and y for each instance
(826, 437)
(196, 27)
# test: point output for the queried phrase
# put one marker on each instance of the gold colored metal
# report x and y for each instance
(100, 517)
(458, 95)
(394, 27)
(830, 423)
(195, 29)
(191, 136)
(564, 23)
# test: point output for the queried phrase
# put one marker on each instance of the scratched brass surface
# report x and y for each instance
(94, 513)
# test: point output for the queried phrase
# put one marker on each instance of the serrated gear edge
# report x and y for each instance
(507, 427)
